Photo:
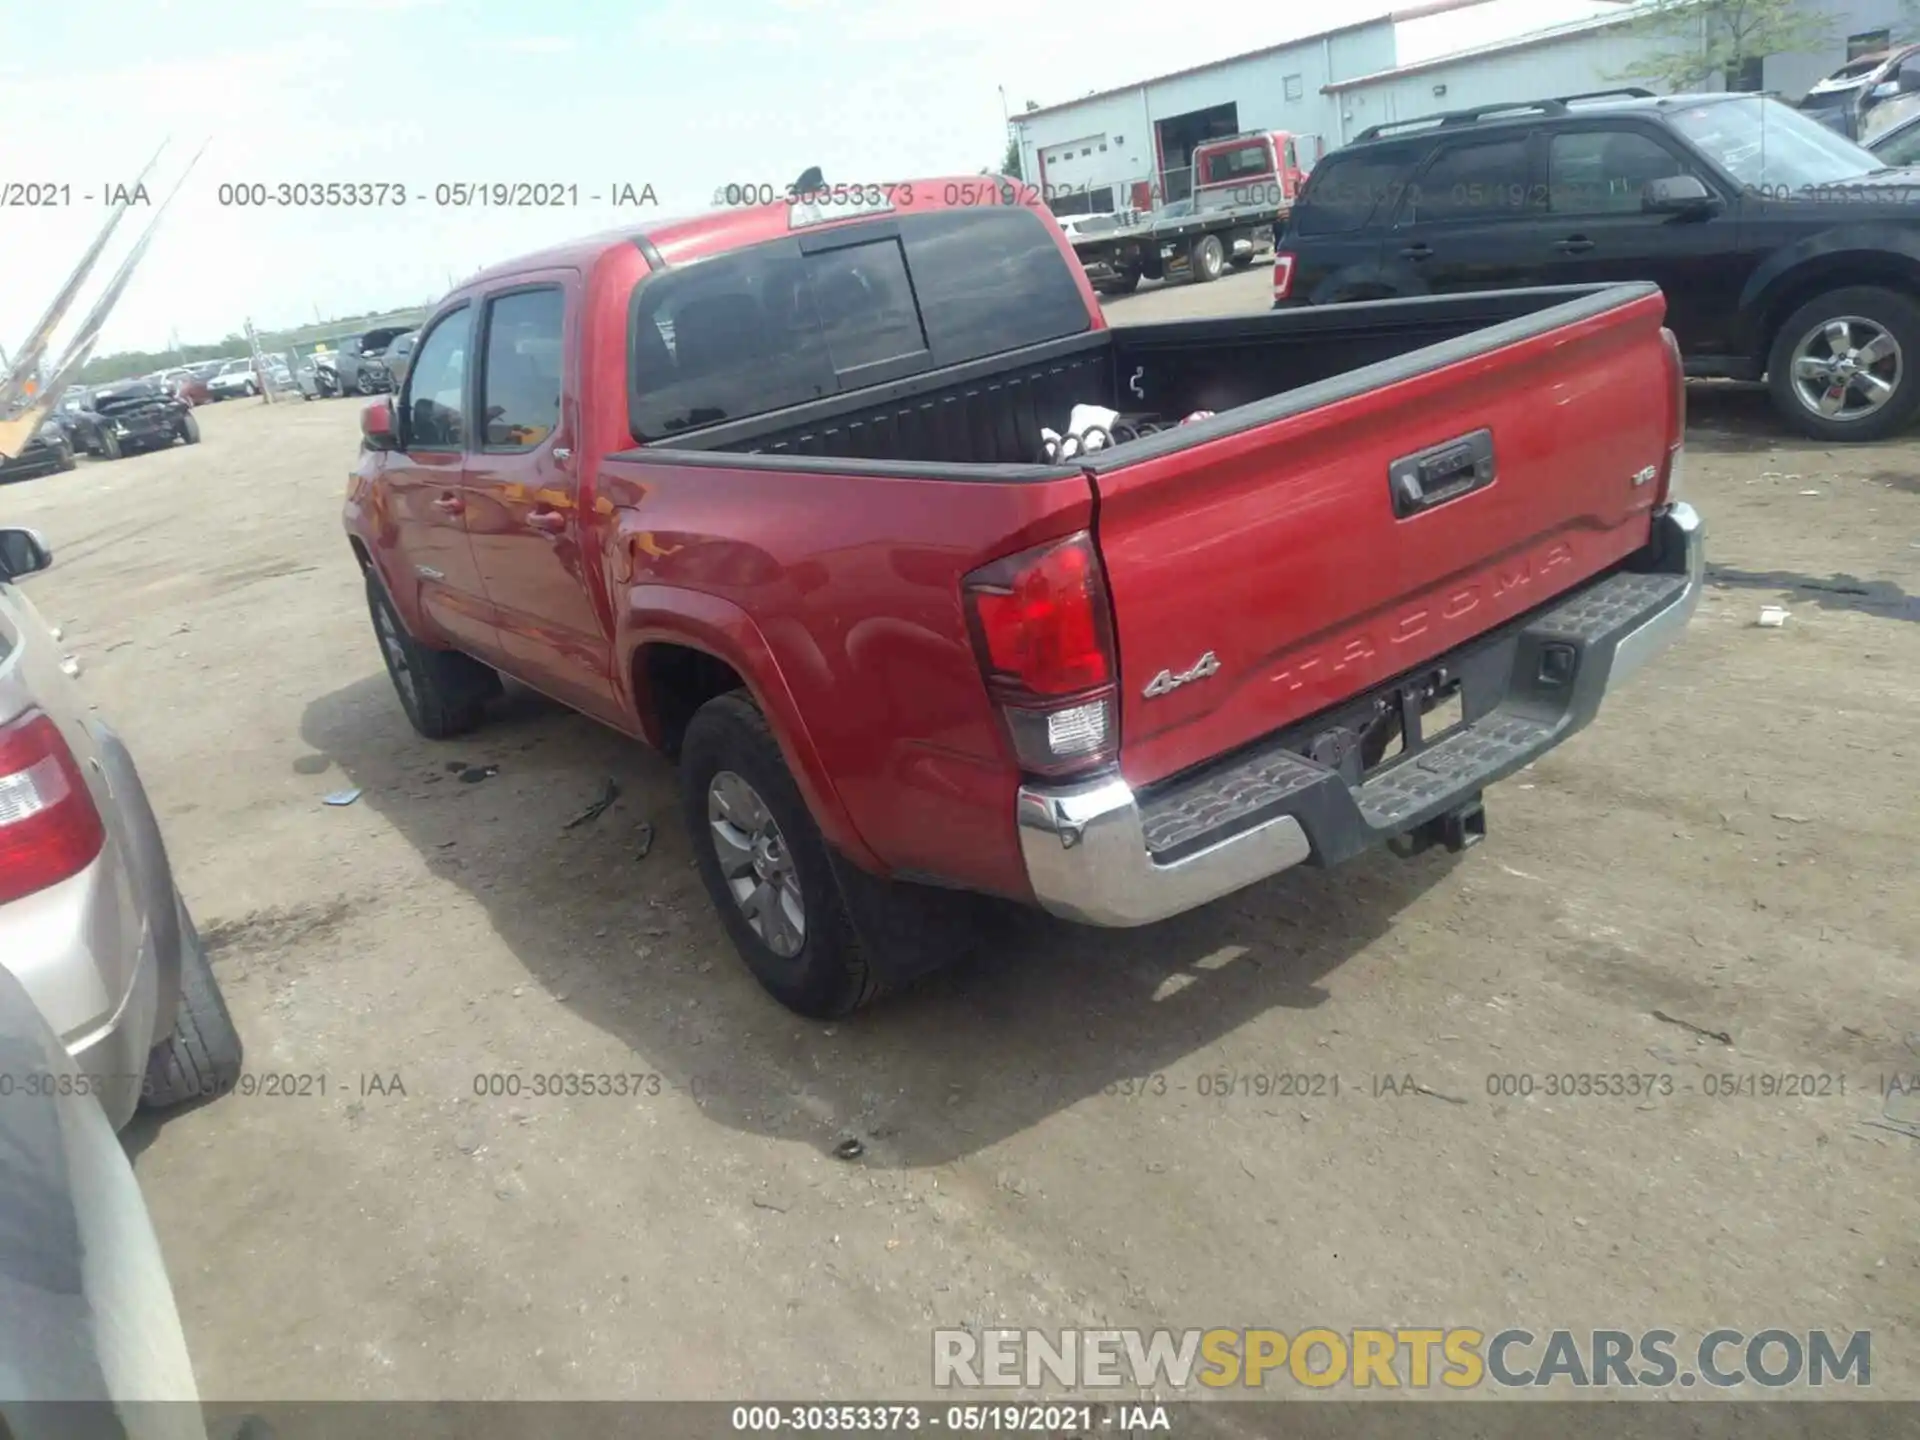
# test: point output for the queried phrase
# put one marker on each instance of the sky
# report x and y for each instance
(593, 94)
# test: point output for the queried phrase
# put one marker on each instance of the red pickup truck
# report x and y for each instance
(765, 489)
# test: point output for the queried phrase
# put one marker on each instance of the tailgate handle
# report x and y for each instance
(1441, 473)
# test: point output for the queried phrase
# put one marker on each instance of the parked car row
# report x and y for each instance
(107, 422)
(1787, 252)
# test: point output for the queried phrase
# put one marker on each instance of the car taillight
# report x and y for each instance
(1044, 639)
(1282, 277)
(49, 828)
(1670, 481)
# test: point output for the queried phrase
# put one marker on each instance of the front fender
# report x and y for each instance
(672, 615)
(1859, 254)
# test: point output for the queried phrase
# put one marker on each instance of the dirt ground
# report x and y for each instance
(1731, 845)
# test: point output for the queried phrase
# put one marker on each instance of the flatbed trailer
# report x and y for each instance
(1198, 246)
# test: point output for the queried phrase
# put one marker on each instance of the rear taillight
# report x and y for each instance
(49, 828)
(1044, 638)
(1670, 481)
(1282, 277)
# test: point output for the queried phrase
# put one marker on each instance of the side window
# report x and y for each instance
(1602, 172)
(435, 407)
(1346, 188)
(521, 383)
(1902, 149)
(1488, 180)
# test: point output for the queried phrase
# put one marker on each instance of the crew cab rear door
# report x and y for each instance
(530, 523)
(1275, 537)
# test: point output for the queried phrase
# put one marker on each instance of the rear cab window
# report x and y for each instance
(819, 314)
(1253, 160)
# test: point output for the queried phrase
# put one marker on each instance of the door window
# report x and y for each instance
(1603, 172)
(434, 412)
(521, 383)
(1347, 187)
(1903, 148)
(1487, 180)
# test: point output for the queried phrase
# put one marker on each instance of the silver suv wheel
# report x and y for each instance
(1847, 368)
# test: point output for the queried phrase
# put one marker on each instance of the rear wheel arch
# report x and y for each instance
(718, 645)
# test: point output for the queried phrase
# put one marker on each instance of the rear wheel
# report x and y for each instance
(201, 1059)
(443, 692)
(110, 448)
(1209, 255)
(1125, 283)
(190, 428)
(766, 865)
(1843, 365)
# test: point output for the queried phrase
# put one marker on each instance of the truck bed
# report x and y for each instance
(1250, 371)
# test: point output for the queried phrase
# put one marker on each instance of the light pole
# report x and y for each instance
(1006, 131)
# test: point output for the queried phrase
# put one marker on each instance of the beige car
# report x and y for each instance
(91, 923)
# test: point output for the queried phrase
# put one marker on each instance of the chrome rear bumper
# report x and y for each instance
(1098, 853)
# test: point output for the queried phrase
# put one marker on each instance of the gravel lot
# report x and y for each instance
(1730, 845)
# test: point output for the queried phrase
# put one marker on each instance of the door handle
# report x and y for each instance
(450, 505)
(1418, 252)
(1575, 245)
(547, 522)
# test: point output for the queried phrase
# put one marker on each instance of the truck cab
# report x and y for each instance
(1258, 168)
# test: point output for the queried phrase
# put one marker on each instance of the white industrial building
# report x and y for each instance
(1588, 55)
(1130, 146)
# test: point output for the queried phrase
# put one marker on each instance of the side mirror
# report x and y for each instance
(22, 552)
(1678, 195)
(1908, 81)
(377, 428)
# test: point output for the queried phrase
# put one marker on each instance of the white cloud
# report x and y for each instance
(387, 6)
(528, 44)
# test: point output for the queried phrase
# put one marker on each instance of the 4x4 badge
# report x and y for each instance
(1166, 682)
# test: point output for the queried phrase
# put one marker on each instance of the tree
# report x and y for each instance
(1706, 43)
(1011, 165)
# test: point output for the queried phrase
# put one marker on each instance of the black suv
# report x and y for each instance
(1785, 250)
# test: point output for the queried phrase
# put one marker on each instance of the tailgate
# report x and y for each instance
(1274, 571)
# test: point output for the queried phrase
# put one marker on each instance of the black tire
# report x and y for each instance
(1896, 314)
(1124, 283)
(365, 384)
(831, 974)
(1209, 256)
(202, 1058)
(65, 461)
(190, 428)
(110, 448)
(443, 692)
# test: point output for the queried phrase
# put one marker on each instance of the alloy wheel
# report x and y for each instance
(756, 863)
(1847, 368)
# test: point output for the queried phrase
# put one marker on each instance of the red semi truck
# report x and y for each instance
(763, 489)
